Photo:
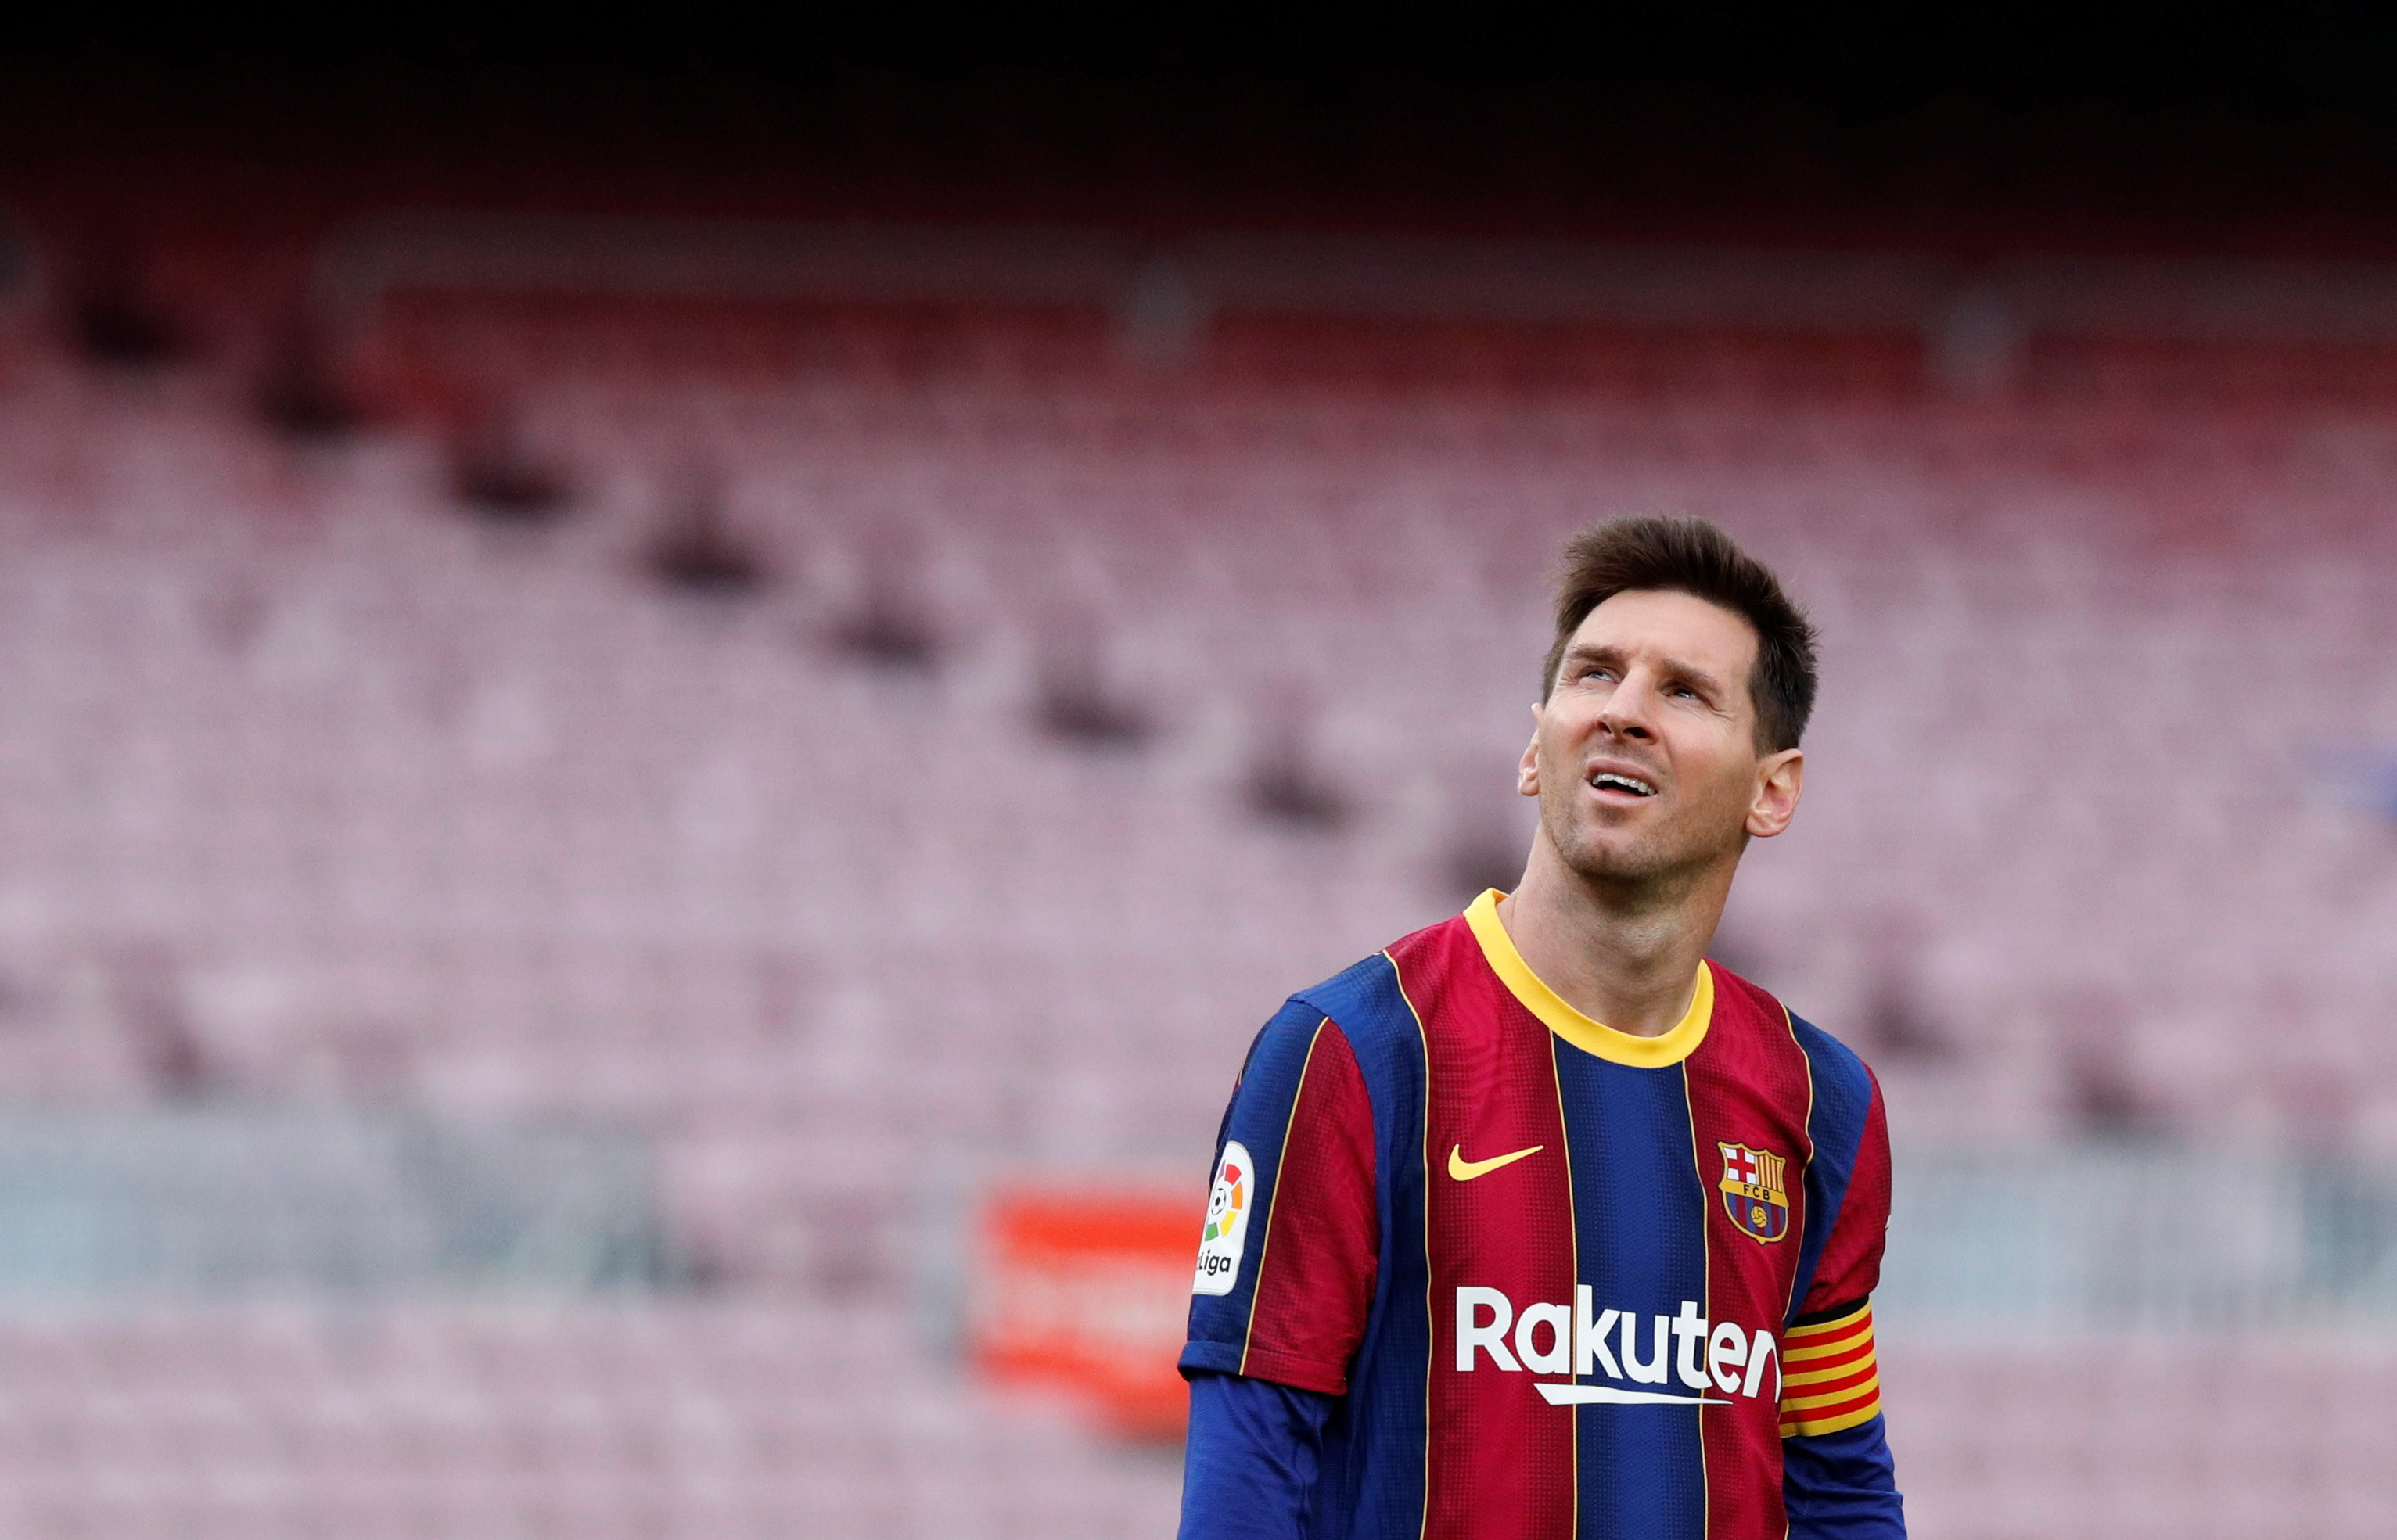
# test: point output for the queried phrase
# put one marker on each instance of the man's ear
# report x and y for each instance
(1527, 770)
(1779, 779)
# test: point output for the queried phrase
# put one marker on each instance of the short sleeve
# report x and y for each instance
(1289, 1249)
(1850, 1268)
(1830, 1371)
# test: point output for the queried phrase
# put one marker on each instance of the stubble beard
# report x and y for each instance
(1648, 869)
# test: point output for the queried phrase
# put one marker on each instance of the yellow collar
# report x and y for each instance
(1593, 1037)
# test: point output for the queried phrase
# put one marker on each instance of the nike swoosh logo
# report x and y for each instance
(1465, 1170)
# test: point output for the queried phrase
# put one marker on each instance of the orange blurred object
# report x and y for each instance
(1088, 1290)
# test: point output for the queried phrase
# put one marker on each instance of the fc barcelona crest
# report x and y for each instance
(1755, 1192)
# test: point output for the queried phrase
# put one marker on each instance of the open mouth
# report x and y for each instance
(1614, 780)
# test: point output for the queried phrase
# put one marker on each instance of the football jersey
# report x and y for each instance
(1567, 1282)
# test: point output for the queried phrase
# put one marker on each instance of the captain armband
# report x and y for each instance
(1829, 1381)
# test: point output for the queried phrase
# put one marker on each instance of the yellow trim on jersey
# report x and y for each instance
(1592, 1038)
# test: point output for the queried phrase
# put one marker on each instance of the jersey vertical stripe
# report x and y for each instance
(1318, 1252)
(1844, 1102)
(1573, 1214)
(1641, 1253)
(1748, 1095)
(1502, 1458)
(1375, 1475)
(1273, 1202)
(1707, 1303)
(1423, 1170)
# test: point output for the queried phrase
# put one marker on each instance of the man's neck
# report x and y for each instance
(1624, 956)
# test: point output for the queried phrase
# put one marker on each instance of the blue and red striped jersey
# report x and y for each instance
(1567, 1283)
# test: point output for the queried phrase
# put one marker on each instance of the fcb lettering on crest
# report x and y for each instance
(1756, 1191)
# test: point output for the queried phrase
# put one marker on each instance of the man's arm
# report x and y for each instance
(1291, 1243)
(1837, 1481)
(1841, 1486)
(1289, 1254)
(1250, 1470)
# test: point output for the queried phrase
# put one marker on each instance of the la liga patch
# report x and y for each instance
(1226, 1234)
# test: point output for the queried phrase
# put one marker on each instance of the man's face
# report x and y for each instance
(1644, 756)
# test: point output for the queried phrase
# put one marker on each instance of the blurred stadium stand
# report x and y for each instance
(580, 788)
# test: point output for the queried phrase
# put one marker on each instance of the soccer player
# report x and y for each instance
(1538, 1225)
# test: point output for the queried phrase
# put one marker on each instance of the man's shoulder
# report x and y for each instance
(1840, 1072)
(1376, 1000)
(1741, 1000)
(1828, 1055)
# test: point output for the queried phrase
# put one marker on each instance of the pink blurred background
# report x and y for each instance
(640, 672)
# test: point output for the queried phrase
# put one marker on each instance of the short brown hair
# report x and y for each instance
(1648, 552)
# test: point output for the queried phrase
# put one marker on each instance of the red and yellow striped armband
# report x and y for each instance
(1829, 1378)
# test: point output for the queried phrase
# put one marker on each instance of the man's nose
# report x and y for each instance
(1629, 707)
